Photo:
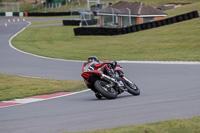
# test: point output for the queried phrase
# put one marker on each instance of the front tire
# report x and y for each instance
(109, 93)
(132, 88)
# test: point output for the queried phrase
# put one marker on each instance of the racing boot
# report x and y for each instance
(98, 95)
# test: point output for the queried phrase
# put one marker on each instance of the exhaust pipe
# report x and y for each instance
(103, 76)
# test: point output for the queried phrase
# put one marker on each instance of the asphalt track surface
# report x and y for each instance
(168, 91)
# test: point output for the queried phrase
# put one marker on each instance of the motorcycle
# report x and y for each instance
(107, 86)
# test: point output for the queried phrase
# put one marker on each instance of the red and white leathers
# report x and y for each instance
(103, 66)
(90, 66)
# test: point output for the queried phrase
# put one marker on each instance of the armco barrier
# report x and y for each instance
(185, 17)
(153, 24)
(173, 19)
(138, 27)
(11, 14)
(77, 22)
(134, 28)
(168, 21)
(143, 26)
(148, 25)
(2, 14)
(53, 13)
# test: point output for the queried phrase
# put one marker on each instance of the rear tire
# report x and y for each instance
(109, 93)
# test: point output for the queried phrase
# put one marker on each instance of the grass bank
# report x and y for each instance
(178, 42)
(191, 125)
(12, 87)
(45, 22)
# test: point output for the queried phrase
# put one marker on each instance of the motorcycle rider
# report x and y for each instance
(94, 64)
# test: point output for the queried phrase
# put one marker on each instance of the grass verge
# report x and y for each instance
(179, 42)
(44, 22)
(12, 87)
(191, 125)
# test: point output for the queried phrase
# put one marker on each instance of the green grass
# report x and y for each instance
(178, 42)
(184, 9)
(44, 22)
(12, 87)
(191, 125)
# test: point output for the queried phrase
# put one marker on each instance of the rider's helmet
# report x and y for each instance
(93, 58)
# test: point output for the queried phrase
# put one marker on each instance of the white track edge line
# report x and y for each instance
(163, 62)
(34, 54)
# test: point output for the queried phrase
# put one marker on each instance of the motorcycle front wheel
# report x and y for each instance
(108, 92)
(132, 88)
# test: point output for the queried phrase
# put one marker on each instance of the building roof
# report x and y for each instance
(136, 8)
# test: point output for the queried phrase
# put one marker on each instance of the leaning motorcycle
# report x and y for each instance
(106, 85)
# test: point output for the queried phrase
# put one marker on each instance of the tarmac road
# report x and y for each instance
(168, 91)
(17, 63)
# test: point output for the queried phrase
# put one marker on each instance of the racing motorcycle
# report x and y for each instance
(108, 86)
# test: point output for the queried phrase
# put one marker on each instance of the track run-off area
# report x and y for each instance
(169, 90)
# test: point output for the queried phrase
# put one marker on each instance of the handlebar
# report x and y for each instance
(112, 63)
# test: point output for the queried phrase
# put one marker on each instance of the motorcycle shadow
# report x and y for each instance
(118, 97)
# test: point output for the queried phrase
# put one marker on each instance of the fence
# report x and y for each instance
(9, 6)
(134, 28)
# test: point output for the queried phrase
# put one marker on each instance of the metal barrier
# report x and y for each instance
(78, 21)
(53, 13)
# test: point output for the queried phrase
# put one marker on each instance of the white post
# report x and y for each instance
(71, 14)
(6, 8)
(113, 15)
(98, 18)
(129, 15)
(81, 24)
(88, 4)
(12, 7)
(18, 6)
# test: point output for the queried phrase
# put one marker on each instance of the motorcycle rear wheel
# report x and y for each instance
(109, 93)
